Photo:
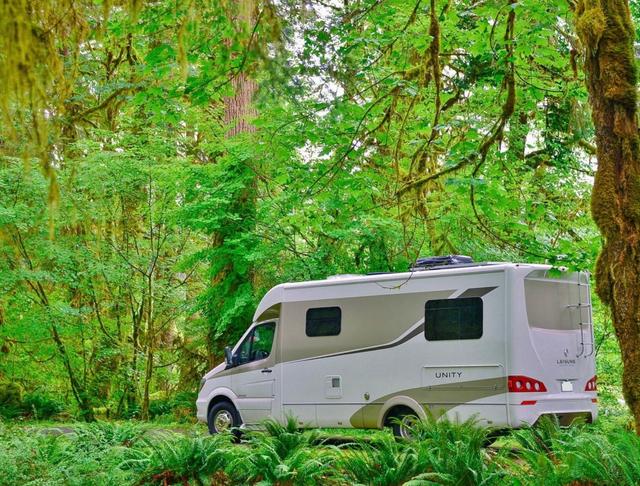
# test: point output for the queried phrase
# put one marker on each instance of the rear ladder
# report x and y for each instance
(589, 343)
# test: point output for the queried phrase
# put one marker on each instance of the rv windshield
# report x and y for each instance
(557, 301)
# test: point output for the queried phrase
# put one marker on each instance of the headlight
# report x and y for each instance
(202, 382)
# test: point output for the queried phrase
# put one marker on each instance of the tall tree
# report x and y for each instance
(607, 34)
(231, 295)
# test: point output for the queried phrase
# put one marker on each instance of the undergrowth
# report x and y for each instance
(442, 453)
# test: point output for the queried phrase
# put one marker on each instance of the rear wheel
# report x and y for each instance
(402, 423)
(223, 417)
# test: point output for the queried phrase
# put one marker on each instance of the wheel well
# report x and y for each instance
(397, 411)
(219, 399)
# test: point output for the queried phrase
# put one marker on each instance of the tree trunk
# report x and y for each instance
(239, 107)
(78, 390)
(607, 34)
(135, 341)
(148, 374)
(150, 339)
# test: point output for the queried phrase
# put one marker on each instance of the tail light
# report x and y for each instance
(592, 384)
(518, 383)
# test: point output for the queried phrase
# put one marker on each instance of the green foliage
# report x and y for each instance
(10, 394)
(104, 435)
(41, 406)
(10, 399)
(457, 452)
(444, 453)
(560, 456)
(286, 439)
(383, 131)
(180, 406)
(28, 456)
(283, 455)
(384, 462)
(13, 403)
(172, 459)
(441, 452)
(94, 279)
(301, 466)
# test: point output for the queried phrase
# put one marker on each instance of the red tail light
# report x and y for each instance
(518, 383)
(592, 384)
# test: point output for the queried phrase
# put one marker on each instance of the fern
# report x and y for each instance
(178, 458)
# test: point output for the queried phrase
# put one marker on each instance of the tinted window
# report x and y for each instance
(257, 345)
(324, 321)
(553, 302)
(450, 319)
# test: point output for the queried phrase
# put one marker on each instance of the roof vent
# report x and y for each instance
(428, 263)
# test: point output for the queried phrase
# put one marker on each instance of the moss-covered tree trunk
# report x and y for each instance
(607, 35)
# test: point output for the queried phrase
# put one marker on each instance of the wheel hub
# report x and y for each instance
(223, 421)
(406, 426)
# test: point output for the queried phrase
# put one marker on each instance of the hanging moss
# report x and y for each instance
(40, 43)
(33, 73)
(590, 23)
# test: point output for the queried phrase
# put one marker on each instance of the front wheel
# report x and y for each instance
(223, 417)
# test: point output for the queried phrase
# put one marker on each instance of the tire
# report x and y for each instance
(401, 423)
(493, 435)
(223, 417)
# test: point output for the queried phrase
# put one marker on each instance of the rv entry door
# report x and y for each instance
(254, 381)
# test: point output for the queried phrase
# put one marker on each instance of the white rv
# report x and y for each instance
(502, 342)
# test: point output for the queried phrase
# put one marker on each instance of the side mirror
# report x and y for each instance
(228, 357)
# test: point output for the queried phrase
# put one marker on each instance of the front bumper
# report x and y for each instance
(202, 405)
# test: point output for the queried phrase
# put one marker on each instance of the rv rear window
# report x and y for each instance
(323, 321)
(453, 319)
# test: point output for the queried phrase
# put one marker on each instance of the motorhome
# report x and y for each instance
(504, 343)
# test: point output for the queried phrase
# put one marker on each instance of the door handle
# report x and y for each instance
(267, 370)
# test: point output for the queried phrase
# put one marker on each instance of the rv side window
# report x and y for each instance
(257, 345)
(453, 319)
(324, 321)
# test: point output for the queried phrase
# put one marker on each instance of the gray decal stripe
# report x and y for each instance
(437, 396)
(477, 292)
(418, 330)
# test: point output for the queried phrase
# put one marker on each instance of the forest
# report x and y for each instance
(164, 163)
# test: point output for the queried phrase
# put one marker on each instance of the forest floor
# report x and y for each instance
(151, 429)
(114, 453)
